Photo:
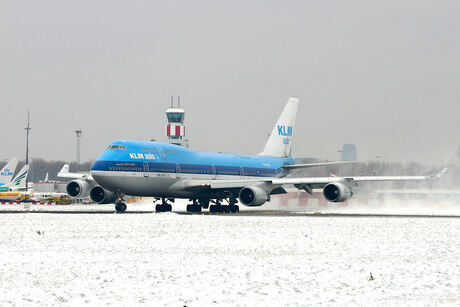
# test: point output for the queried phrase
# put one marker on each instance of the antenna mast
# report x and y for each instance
(27, 136)
(78, 133)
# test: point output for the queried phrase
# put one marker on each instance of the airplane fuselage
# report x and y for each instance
(146, 168)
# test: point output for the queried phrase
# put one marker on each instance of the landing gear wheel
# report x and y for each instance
(120, 207)
(234, 209)
(204, 202)
(193, 208)
(163, 208)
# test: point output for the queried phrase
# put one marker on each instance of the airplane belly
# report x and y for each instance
(136, 184)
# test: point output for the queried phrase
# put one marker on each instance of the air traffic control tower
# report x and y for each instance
(175, 130)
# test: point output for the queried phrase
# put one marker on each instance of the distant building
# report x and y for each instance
(50, 186)
(349, 152)
(175, 129)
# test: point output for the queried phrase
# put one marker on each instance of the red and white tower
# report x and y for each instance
(175, 129)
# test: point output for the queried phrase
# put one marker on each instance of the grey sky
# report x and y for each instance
(384, 75)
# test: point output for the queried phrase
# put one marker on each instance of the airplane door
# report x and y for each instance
(146, 169)
(177, 170)
(213, 171)
(241, 172)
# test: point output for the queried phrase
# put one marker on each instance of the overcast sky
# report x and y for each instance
(384, 75)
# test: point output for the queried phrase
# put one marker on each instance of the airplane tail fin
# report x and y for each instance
(279, 141)
(8, 170)
(64, 170)
(19, 181)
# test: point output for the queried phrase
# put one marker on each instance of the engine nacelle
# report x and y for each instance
(337, 192)
(102, 196)
(78, 188)
(253, 196)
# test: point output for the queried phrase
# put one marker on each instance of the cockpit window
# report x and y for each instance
(116, 147)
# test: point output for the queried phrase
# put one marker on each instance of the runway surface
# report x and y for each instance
(246, 259)
(241, 213)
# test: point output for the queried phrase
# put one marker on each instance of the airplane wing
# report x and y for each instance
(307, 165)
(301, 182)
(351, 179)
(64, 173)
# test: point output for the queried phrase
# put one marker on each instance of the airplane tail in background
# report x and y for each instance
(19, 182)
(7, 171)
(279, 141)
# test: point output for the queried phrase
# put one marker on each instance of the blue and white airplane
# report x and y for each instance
(7, 172)
(166, 171)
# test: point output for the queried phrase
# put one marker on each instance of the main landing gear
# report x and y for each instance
(195, 207)
(164, 206)
(230, 208)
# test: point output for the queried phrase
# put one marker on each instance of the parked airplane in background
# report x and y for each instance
(7, 171)
(12, 190)
(166, 171)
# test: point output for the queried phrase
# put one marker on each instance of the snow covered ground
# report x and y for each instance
(227, 260)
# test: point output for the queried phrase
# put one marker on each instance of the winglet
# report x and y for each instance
(440, 174)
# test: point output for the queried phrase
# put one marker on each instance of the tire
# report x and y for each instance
(120, 207)
(204, 203)
(189, 208)
(168, 207)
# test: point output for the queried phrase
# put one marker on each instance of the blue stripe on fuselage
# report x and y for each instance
(168, 158)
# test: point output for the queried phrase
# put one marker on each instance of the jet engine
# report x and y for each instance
(253, 196)
(78, 188)
(102, 196)
(337, 192)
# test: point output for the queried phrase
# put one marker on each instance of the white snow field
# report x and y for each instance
(227, 260)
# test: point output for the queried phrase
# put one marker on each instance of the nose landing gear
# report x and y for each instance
(120, 207)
